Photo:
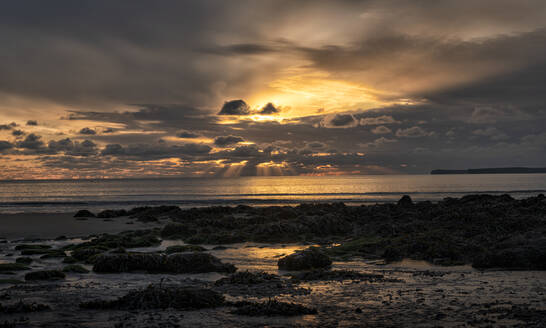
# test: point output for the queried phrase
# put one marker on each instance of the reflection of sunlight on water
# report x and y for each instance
(424, 265)
(245, 256)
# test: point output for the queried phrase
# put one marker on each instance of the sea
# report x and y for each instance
(58, 196)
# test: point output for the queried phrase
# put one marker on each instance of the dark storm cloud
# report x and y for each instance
(413, 132)
(32, 122)
(8, 126)
(186, 135)
(88, 131)
(5, 145)
(113, 149)
(17, 133)
(32, 142)
(60, 145)
(235, 107)
(269, 109)
(378, 120)
(153, 152)
(227, 140)
(339, 121)
(241, 49)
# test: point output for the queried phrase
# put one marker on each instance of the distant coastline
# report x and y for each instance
(493, 170)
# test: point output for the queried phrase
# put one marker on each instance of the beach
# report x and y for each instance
(327, 265)
(52, 225)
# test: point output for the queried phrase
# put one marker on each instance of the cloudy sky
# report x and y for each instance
(111, 89)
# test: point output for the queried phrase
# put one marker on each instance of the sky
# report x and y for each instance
(117, 89)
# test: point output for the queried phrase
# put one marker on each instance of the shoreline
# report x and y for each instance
(39, 226)
(304, 266)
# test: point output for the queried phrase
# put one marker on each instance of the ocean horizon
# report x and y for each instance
(58, 196)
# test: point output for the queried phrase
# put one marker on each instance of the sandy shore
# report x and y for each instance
(52, 225)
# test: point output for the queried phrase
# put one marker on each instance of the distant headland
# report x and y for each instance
(493, 170)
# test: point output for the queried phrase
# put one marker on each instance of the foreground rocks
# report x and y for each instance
(45, 275)
(161, 297)
(271, 308)
(484, 230)
(309, 258)
(340, 275)
(159, 263)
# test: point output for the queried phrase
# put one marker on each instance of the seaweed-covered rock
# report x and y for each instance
(11, 281)
(161, 297)
(326, 275)
(84, 254)
(53, 253)
(74, 268)
(7, 267)
(405, 201)
(31, 246)
(69, 260)
(158, 263)
(303, 260)
(45, 275)
(175, 231)
(23, 260)
(528, 257)
(271, 308)
(184, 248)
(84, 214)
(127, 239)
(111, 213)
(248, 278)
(22, 307)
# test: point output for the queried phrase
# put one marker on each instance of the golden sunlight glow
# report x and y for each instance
(304, 93)
(234, 169)
(274, 169)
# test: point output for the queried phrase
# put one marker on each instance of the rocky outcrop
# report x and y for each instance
(159, 263)
(310, 258)
(161, 297)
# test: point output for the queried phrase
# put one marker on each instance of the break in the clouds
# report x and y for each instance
(222, 88)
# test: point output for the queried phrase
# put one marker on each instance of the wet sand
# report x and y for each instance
(419, 295)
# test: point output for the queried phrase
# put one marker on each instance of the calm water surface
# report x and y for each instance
(70, 195)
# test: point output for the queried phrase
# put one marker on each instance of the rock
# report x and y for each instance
(161, 297)
(128, 239)
(271, 308)
(45, 275)
(8, 267)
(38, 251)
(84, 254)
(69, 260)
(54, 253)
(405, 201)
(23, 260)
(175, 231)
(158, 263)
(22, 307)
(248, 278)
(523, 257)
(184, 248)
(106, 214)
(328, 275)
(11, 282)
(309, 258)
(84, 214)
(147, 218)
(31, 246)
